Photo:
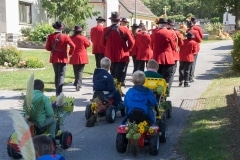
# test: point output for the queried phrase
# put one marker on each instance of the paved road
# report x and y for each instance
(98, 142)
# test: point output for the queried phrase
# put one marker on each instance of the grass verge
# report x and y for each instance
(212, 130)
(16, 80)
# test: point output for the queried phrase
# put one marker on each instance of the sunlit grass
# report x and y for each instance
(17, 79)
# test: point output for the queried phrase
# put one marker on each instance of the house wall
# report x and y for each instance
(131, 18)
(12, 18)
(105, 7)
(3, 16)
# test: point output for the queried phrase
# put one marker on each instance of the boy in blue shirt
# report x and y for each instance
(140, 97)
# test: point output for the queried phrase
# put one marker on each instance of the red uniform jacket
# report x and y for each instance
(117, 49)
(80, 55)
(179, 43)
(199, 29)
(143, 46)
(187, 50)
(196, 38)
(133, 51)
(95, 35)
(164, 44)
(59, 55)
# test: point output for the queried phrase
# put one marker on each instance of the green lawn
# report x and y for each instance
(17, 80)
(212, 123)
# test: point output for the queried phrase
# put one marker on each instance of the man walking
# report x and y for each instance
(95, 34)
(164, 45)
(117, 41)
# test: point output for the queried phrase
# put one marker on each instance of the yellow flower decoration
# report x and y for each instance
(151, 130)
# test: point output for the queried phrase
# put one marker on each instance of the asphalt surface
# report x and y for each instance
(98, 142)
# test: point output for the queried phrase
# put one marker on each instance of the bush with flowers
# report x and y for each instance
(134, 131)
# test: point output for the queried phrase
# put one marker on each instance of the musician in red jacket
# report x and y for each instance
(79, 57)
(117, 41)
(198, 39)
(95, 34)
(196, 27)
(187, 52)
(179, 42)
(144, 48)
(164, 44)
(133, 51)
(57, 43)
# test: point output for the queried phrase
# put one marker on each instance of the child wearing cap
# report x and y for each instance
(187, 51)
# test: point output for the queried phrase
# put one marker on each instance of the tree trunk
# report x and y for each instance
(237, 18)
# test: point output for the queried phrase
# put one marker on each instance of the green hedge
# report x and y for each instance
(235, 53)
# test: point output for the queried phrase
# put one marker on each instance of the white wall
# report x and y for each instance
(112, 5)
(12, 16)
(2, 16)
(231, 19)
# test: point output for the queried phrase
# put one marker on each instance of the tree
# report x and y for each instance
(233, 6)
(73, 11)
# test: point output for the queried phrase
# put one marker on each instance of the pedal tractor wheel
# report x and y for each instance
(13, 150)
(162, 126)
(169, 110)
(111, 114)
(88, 112)
(121, 143)
(154, 144)
(66, 140)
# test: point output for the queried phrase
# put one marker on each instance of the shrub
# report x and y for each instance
(34, 63)
(213, 28)
(235, 53)
(40, 32)
(10, 56)
(215, 20)
(26, 31)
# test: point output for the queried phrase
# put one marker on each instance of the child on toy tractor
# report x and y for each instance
(103, 81)
(41, 114)
(140, 129)
(140, 97)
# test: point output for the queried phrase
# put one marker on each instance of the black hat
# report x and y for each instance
(170, 22)
(189, 23)
(124, 20)
(193, 20)
(135, 25)
(100, 19)
(162, 21)
(77, 29)
(141, 25)
(115, 16)
(189, 35)
(58, 25)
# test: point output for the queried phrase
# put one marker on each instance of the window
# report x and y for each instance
(25, 13)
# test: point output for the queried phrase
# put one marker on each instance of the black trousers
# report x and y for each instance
(78, 72)
(166, 71)
(184, 71)
(141, 65)
(98, 57)
(118, 70)
(59, 70)
(192, 69)
(134, 63)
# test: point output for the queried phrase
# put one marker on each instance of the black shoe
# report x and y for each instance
(180, 84)
(191, 80)
(186, 85)
(77, 88)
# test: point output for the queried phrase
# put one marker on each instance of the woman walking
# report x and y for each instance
(80, 57)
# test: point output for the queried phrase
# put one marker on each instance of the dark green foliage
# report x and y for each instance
(10, 55)
(40, 32)
(215, 20)
(235, 53)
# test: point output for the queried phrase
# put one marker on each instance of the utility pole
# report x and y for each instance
(135, 18)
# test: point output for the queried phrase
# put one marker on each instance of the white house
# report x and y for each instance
(15, 14)
(126, 8)
(228, 19)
